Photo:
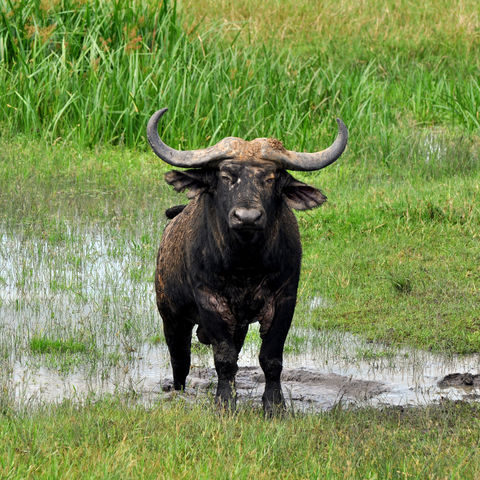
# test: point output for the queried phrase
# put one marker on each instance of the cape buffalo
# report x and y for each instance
(232, 255)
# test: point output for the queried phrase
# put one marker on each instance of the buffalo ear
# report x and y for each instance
(301, 196)
(194, 181)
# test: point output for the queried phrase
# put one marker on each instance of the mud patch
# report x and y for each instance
(303, 388)
(460, 380)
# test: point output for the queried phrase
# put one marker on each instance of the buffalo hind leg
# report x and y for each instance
(179, 338)
(271, 357)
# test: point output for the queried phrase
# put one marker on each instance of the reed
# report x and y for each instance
(94, 72)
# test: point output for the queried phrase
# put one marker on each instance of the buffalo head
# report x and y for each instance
(247, 180)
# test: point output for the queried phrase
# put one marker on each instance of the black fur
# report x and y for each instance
(172, 212)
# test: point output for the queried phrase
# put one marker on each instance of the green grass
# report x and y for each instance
(61, 355)
(398, 258)
(114, 65)
(111, 439)
(42, 345)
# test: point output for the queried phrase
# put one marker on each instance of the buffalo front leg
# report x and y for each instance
(225, 357)
(226, 353)
(178, 336)
(218, 324)
(271, 355)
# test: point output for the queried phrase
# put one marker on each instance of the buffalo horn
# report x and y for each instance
(179, 158)
(291, 160)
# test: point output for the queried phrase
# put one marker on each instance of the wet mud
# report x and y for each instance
(326, 374)
(460, 380)
(303, 388)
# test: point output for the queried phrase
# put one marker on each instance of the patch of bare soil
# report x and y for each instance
(460, 380)
(303, 388)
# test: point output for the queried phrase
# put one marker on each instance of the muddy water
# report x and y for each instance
(314, 380)
(89, 286)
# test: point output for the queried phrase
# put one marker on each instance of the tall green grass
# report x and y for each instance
(87, 71)
(94, 72)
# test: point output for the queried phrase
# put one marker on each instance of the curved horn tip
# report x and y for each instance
(341, 125)
(152, 127)
(158, 114)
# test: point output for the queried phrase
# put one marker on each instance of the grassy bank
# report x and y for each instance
(112, 440)
(114, 65)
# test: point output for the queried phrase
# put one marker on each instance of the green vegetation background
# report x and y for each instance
(394, 253)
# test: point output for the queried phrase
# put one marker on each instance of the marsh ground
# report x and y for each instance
(393, 256)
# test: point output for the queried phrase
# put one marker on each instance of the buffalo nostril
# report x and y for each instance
(247, 215)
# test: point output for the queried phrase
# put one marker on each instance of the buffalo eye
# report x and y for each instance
(228, 178)
(268, 180)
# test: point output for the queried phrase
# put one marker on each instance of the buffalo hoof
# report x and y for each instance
(168, 385)
(271, 410)
(226, 398)
(226, 405)
(274, 403)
